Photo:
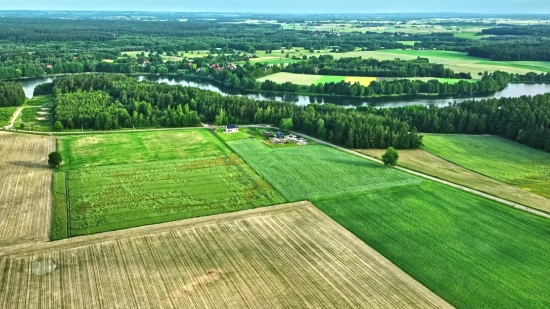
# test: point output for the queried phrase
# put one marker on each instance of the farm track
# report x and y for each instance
(285, 256)
(25, 188)
(463, 188)
(454, 185)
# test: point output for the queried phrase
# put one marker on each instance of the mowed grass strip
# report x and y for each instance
(315, 171)
(472, 252)
(287, 256)
(492, 156)
(427, 163)
(136, 147)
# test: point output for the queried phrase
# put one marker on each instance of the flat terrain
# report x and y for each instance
(25, 185)
(288, 256)
(469, 250)
(111, 182)
(308, 79)
(5, 115)
(472, 252)
(427, 163)
(316, 171)
(495, 157)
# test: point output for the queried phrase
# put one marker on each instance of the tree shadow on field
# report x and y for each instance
(29, 164)
(357, 163)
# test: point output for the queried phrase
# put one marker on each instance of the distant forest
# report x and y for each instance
(113, 101)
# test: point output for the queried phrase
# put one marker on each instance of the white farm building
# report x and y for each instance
(231, 128)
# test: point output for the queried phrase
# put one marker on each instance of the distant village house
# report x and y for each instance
(231, 128)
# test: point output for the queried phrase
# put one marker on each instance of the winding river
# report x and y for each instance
(512, 90)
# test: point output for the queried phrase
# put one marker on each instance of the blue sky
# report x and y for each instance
(297, 6)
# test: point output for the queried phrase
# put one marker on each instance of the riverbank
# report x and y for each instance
(512, 90)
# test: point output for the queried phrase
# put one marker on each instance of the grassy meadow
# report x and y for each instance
(117, 181)
(5, 115)
(422, 161)
(493, 156)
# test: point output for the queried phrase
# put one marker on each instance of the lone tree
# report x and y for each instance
(286, 124)
(55, 159)
(58, 126)
(390, 157)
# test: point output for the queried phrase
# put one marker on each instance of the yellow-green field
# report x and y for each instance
(308, 79)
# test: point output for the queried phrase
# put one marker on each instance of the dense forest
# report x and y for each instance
(357, 66)
(11, 94)
(525, 119)
(113, 101)
(513, 52)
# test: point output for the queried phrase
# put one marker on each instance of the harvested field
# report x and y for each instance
(300, 79)
(25, 185)
(287, 256)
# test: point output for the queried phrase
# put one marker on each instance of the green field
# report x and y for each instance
(472, 252)
(492, 156)
(316, 171)
(329, 79)
(5, 115)
(123, 180)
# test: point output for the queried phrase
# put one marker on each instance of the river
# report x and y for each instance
(512, 90)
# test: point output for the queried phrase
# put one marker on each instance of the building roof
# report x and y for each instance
(231, 126)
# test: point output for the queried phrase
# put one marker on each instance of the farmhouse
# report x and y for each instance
(231, 128)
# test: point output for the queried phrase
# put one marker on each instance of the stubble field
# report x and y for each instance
(288, 256)
(25, 184)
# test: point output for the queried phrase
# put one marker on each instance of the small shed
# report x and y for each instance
(268, 134)
(231, 128)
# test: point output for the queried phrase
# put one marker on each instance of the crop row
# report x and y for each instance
(273, 260)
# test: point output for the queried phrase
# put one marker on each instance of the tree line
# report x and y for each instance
(357, 66)
(11, 94)
(525, 119)
(112, 101)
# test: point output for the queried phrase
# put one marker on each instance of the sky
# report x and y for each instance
(292, 6)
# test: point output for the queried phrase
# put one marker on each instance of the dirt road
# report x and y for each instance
(463, 188)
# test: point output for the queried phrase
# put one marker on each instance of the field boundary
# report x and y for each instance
(79, 241)
(452, 184)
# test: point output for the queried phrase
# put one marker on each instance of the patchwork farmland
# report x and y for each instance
(224, 261)
(309, 79)
(194, 174)
(25, 184)
(515, 164)
(443, 237)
